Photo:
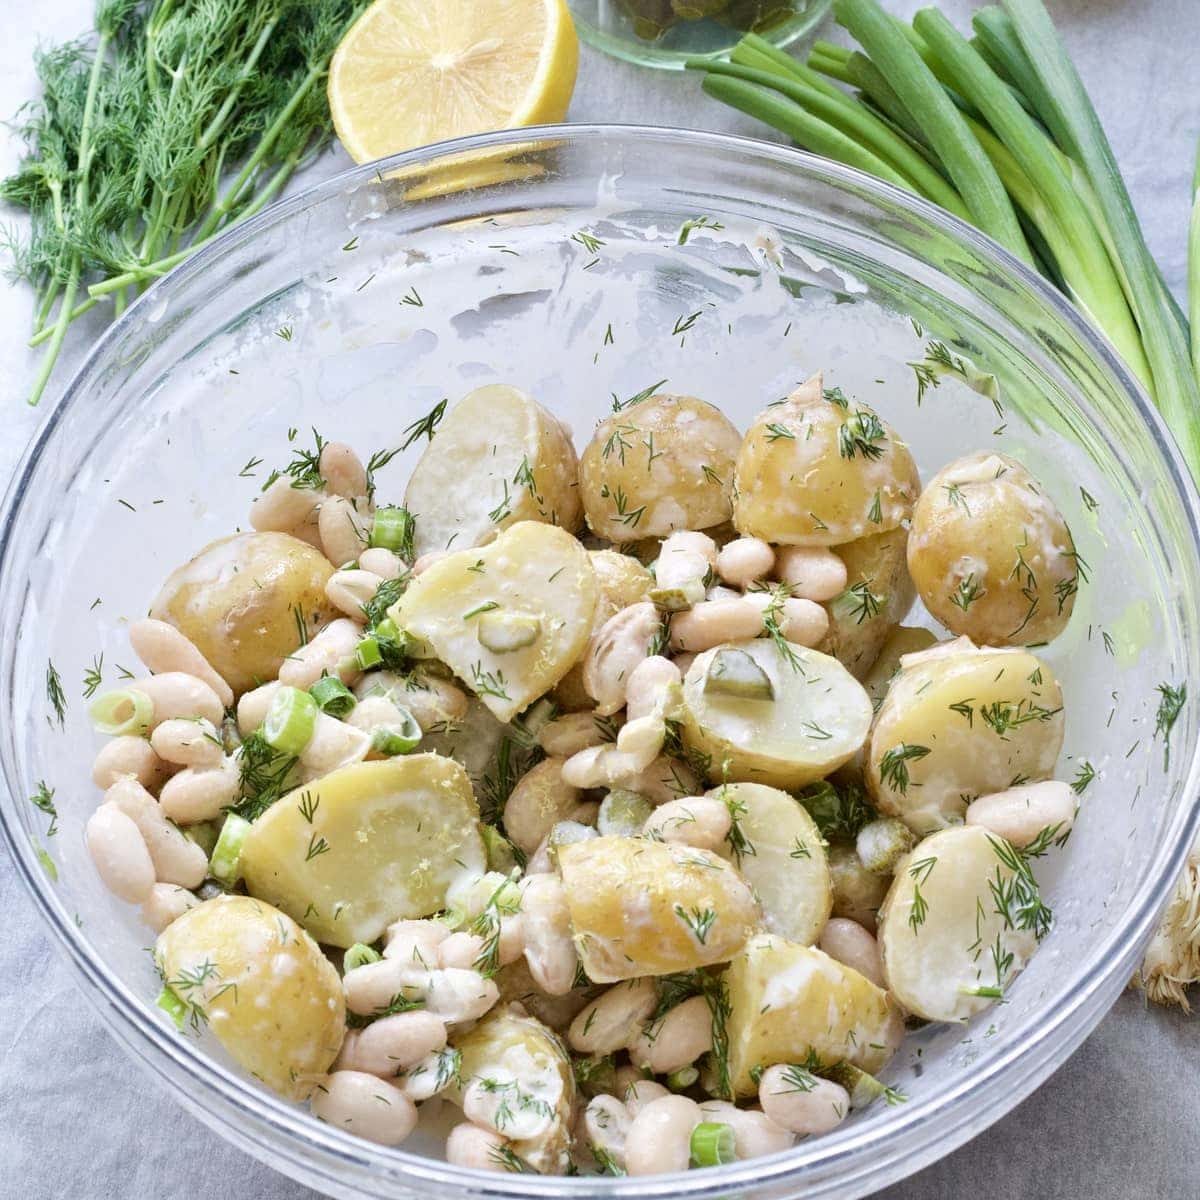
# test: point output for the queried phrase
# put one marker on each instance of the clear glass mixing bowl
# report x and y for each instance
(585, 263)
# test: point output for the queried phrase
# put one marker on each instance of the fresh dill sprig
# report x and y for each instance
(645, 394)
(426, 426)
(893, 766)
(304, 468)
(1170, 705)
(43, 800)
(93, 677)
(264, 776)
(56, 695)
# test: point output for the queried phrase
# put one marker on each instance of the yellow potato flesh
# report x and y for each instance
(272, 999)
(238, 598)
(640, 907)
(365, 846)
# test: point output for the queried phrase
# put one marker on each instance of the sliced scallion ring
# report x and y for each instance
(393, 529)
(225, 865)
(290, 721)
(397, 739)
(367, 654)
(332, 696)
(127, 711)
(358, 956)
(171, 1004)
(713, 1144)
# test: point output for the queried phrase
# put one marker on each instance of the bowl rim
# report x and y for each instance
(916, 1135)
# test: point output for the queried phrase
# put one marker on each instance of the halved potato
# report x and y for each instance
(365, 846)
(239, 601)
(958, 723)
(536, 577)
(857, 894)
(498, 458)
(788, 1001)
(270, 996)
(519, 1054)
(640, 907)
(818, 719)
(819, 470)
(901, 640)
(665, 463)
(781, 855)
(963, 917)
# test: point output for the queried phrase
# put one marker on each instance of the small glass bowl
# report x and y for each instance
(665, 33)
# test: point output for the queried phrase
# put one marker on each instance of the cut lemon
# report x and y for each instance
(412, 72)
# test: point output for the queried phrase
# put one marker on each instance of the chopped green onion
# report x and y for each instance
(403, 739)
(290, 721)
(358, 956)
(127, 711)
(393, 530)
(713, 1144)
(501, 856)
(332, 696)
(203, 834)
(171, 1004)
(367, 653)
(387, 628)
(681, 1080)
(225, 864)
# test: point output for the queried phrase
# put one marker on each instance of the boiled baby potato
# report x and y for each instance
(270, 996)
(818, 717)
(527, 1066)
(365, 846)
(641, 907)
(821, 470)
(664, 463)
(788, 1002)
(857, 894)
(510, 619)
(991, 554)
(780, 853)
(962, 918)
(901, 640)
(958, 723)
(878, 594)
(498, 458)
(238, 601)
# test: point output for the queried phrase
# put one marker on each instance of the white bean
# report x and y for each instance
(622, 642)
(175, 694)
(344, 529)
(456, 995)
(331, 652)
(432, 1074)
(393, 1044)
(176, 858)
(435, 704)
(479, 1149)
(642, 1091)
(606, 1124)
(851, 944)
(333, 744)
(699, 821)
(686, 558)
(387, 564)
(120, 854)
(640, 742)
(373, 986)
(599, 766)
(254, 705)
(365, 1105)
(163, 648)
(693, 541)
(415, 942)
(660, 1136)
(188, 743)
(349, 590)
(811, 572)
(614, 1019)
(570, 733)
(549, 948)
(428, 559)
(166, 903)
(1020, 814)
(282, 508)
(683, 661)
(713, 622)
(128, 755)
(675, 1041)
(648, 691)
(754, 1133)
(342, 470)
(744, 560)
(800, 621)
(375, 713)
(540, 799)
(466, 949)
(801, 1102)
(201, 794)
(494, 1103)
(663, 780)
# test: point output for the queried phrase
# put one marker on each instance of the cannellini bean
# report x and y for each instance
(345, 529)
(800, 1102)
(375, 713)
(132, 756)
(163, 648)
(713, 622)
(427, 560)
(283, 508)
(457, 995)
(480, 1149)
(676, 1040)
(694, 542)
(744, 560)
(851, 944)
(188, 743)
(540, 862)
(683, 661)
(120, 854)
(165, 903)
(605, 1125)
(811, 572)
(540, 799)
(549, 948)
(570, 733)
(349, 590)
(466, 949)
(253, 707)
(650, 689)
(434, 703)
(415, 942)
(373, 986)
(754, 1133)
(640, 742)
(176, 859)
(331, 652)
(393, 1044)
(342, 470)
(719, 591)
(587, 813)
(365, 1105)
(663, 780)
(387, 564)
(699, 821)
(800, 621)
(660, 1136)
(614, 1019)
(201, 793)
(333, 744)
(685, 560)
(175, 694)
(474, 893)
(494, 1103)
(622, 642)
(431, 1075)
(1020, 814)
(642, 1091)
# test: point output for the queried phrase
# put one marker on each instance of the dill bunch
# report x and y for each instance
(171, 121)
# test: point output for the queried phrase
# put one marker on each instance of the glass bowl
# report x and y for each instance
(584, 263)
(666, 33)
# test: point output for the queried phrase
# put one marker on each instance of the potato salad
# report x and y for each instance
(603, 801)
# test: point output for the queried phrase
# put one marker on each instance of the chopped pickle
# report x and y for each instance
(734, 673)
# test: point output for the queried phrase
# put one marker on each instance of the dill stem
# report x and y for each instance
(44, 334)
(221, 116)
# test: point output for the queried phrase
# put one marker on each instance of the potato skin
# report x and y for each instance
(237, 602)
(629, 495)
(991, 555)
(901, 640)
(635, 907)
(272, 999)
(857, 894)
(794, 486)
